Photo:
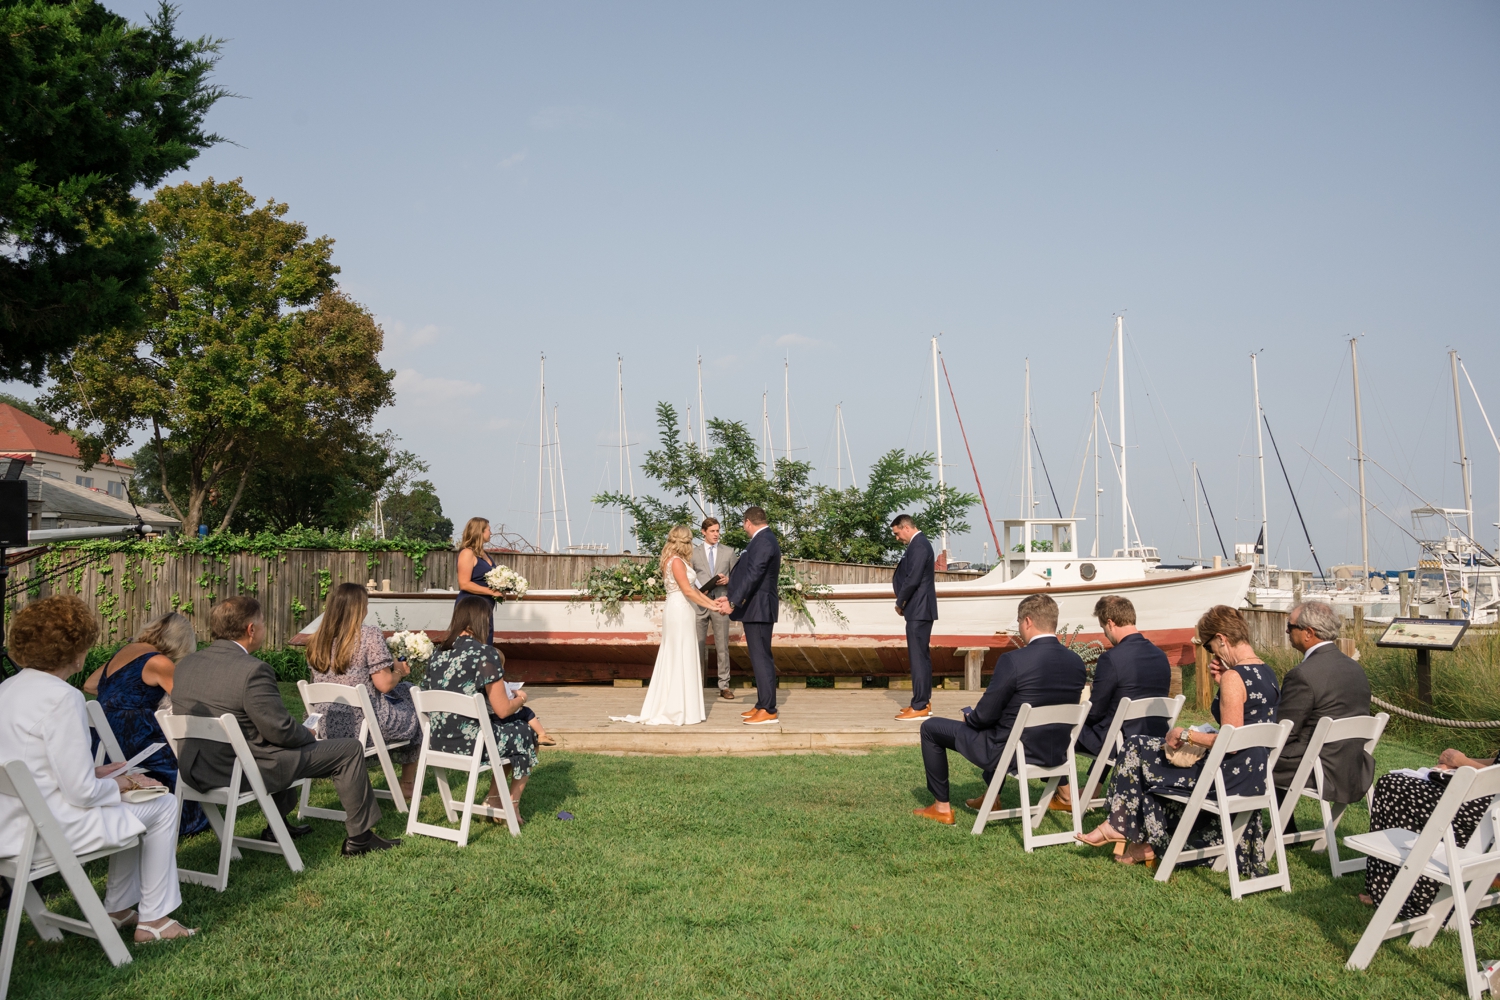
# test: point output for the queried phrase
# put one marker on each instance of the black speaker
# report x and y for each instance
(14, 519)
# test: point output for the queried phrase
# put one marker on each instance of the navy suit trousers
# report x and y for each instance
(758, 638)
(919, 652)
(938, 737)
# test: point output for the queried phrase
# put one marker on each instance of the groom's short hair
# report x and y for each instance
(903, 521)
(756, 515)
(708, 522)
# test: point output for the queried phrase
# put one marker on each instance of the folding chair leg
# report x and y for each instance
(1232, 833)
(1385, 915)
(1166, 862)
(227, 850)
(471, 787)
(445, 793)
(507, 804)
(283, 836)
(1024, 787)
(415, 806)
(18, 891)
(393, 783)
(87, 900)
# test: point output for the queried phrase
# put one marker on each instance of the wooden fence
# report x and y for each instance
(129, 590)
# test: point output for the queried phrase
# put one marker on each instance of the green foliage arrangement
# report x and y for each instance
(606, 588)
(95, 108)
(812, 521)
(290, 663)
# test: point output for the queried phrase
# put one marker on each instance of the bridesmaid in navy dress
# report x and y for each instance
(472, 566)
(133, 685)
(1247, 695)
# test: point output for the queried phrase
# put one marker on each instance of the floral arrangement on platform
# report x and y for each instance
(507, 581)
(606, 587)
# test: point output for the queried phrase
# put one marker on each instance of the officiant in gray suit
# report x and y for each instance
(712, 562)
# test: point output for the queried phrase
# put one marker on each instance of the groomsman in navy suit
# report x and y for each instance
(1131, 668)
(753, 600)
(916, 601)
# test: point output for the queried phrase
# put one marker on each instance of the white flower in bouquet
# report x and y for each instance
(507, 581)
(411, 646)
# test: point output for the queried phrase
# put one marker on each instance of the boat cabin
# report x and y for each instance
(1044, 552)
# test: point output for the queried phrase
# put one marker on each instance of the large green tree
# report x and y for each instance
(91, 108)
(813, 521)
(247, 350)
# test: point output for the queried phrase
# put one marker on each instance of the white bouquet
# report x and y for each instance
(507, 581)
(413, 647)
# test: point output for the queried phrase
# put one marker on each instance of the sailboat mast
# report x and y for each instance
(1097, 491)
(541, 447)
(562, 477)
(1124, 482)
(702, 417)
(838, 441)
(937, 404)
(1480, 403)
(765, 436)
(1359, 447)
(1260, 458)
(1028, 485)
(620, 430)
(1463, 451)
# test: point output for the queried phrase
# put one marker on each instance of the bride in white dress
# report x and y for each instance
(675, 697)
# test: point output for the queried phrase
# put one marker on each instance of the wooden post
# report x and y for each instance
(1424, 676)
(973, 665)
(1359, 625)
(1403, 587)
(1204, 696)
(1176, 687)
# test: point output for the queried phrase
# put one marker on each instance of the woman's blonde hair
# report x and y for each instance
(473, 536)
(172, 635)
(336, 641)
(679, 543)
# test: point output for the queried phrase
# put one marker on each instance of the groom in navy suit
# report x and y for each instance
(916, 601)
(753, 601)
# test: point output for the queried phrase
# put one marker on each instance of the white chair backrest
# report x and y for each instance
(109, 747)
(1358, 727)
(1030, 717)
(1270, 735)
(470, 706)
(338, 694)
(224, 729)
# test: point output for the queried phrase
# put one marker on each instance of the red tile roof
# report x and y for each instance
(21, 432)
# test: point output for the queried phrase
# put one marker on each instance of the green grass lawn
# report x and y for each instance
(758, 877)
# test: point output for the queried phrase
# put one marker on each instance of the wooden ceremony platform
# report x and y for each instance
(813, 720)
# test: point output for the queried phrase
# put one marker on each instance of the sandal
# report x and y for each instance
(1136, 854)
(162, 933)
(1095, 838)
(130, 919)
(494, 803)
(546, 741)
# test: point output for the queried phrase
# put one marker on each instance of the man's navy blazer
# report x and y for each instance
(1044, 672)
(913, 581)
(1134, 669)
(752, 583)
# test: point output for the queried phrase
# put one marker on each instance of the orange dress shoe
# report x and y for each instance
(975, 804)
(909, 714)
(747, 714)
(1061, 802)
(761, 718)
(932, 813)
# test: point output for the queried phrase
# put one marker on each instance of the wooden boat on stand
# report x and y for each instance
(558, 637)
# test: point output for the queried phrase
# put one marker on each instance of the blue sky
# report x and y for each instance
(837, 184)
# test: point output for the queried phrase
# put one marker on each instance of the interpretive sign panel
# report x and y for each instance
(1424, 633)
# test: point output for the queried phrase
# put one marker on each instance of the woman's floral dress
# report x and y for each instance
(394, 711)
(1143, 817)
(468, 667)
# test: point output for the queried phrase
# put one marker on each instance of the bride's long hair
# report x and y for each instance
(679, 543)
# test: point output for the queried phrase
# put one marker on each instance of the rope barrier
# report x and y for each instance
(1434, 720)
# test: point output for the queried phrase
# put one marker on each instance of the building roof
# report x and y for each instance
(21, 432)
(71, 502)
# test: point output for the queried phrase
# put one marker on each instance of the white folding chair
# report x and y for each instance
(1360, 727)
(56, 857)
(226, 729)
(108, 749)
(357, 696)
(1114, 740)
(1234, 810)
(1464, 873)
(470, 706)
(1033, 718)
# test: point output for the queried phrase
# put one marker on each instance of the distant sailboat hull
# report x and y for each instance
(556, 637)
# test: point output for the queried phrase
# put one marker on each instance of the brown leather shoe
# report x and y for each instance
(909, 714)
(1062, 801)
(974, 804)
(932, 813)
(726, 694)
(752, 711)
(761, 717)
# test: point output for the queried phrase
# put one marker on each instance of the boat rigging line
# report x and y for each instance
(1212, 520)
(1295, 505)
(1047, 475)
(965, 435)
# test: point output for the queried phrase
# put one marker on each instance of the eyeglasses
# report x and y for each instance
(1302, 627)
